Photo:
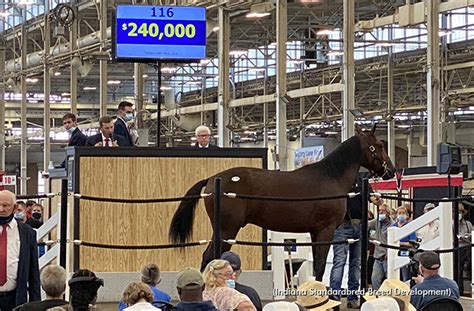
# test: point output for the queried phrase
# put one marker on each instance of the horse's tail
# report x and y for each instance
(183, 219)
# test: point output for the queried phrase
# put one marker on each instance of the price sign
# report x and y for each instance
(145, 32)
(9, 180)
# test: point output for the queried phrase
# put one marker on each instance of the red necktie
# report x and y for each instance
(3, 255)
(107, 142)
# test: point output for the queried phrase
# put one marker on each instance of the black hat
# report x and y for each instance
(232, 258)
(429, 260)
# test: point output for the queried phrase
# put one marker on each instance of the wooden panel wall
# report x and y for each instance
(142, 224)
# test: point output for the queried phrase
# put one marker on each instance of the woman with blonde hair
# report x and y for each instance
(138, 296)
(219, 283)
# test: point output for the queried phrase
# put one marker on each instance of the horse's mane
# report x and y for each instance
(346, 154)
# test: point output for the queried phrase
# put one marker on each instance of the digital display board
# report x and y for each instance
(143, 32)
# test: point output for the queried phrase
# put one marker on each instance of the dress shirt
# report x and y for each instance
(103, 141)
(13, 255)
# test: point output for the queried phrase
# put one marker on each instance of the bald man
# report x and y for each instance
(19, 271)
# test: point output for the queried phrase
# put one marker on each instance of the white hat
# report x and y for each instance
(281, 306)
(380, 304)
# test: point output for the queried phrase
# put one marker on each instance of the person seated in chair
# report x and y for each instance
(430, 285)
(190, 285)
(53, 282)
(106, 137)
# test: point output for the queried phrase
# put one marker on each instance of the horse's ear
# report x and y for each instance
(373, 129)
(358, 129)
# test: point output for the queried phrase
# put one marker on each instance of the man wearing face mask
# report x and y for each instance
(19, 275)
(380, 225)
(36, 217)
(124, 115)
(20, 213)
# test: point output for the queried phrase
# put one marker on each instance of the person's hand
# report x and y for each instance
(99, 144)
(418, 279)
(115, 144)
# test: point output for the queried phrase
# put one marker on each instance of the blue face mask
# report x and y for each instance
(128, 117)
(230, 283)
(20, 216)
(382, 217)
(402, 218)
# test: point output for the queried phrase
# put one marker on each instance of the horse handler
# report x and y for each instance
(349, 229)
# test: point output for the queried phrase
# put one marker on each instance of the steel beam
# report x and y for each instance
(72, 69)
(138, 90)
(103, 63)
(47, 91)
(224, 68)
(433, 81)
(348, 71)
(2, 93)
(390, 104)
(23, 150)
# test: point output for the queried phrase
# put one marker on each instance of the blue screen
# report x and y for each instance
(160, 32)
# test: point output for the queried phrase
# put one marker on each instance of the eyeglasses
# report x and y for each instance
(228, 273)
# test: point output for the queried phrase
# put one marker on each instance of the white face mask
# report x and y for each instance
(71, 130)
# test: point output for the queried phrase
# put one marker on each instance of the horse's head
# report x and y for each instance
(375, 158)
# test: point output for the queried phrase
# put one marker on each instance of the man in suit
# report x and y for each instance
(203, 137)
(106, 137)
(124, 115)
(19, 269)
(76, 137)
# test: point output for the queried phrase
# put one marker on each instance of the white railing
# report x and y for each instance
(444, 240)
(279, 255)
(53, 252)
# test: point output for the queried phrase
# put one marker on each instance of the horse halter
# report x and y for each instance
(375, 157)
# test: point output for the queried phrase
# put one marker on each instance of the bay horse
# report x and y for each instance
(334, 175)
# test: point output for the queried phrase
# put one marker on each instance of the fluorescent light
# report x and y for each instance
(331, 133)
(31, 80)
(65, 94)
(471, 107)
(238, 52)
(169, 69)
(257, 14)
(215, 29)
(204, 61)
(403, 126)
(144, 76)
(89, 88)
(444, 32)
(384, 44)
(326, 32)
(57, 73)
(194, 82)
(294, 61)
(164, 88)
(335, 53)
(114, 82)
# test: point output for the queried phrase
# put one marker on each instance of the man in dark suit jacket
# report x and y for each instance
(106, 137)
(124, 115)
(76, 137)
(203, 137)
(20, 267)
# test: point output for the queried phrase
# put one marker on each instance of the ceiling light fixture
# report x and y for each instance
(114, 82)
(89, 88)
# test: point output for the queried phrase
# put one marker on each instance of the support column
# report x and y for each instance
(73, 70)
(224, 67)
(2, 93)
(24, 133)
(47, 91)
(433, 81)
(280, 96)
(391, 120)
(103, 63)
(138, 90)
(348, 71)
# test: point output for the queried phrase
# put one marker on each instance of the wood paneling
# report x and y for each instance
(144, 224)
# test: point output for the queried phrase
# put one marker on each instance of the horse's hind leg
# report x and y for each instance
(320, 253)
(227, 233)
